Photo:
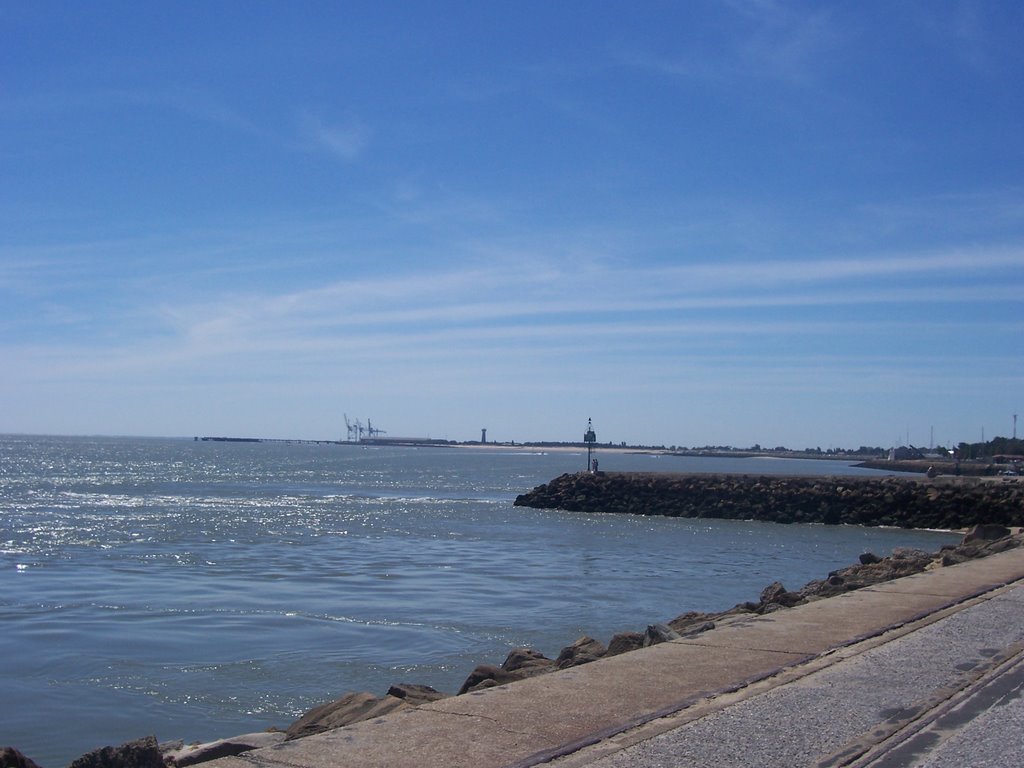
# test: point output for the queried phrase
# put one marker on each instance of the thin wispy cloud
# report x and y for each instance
(787, 44)
(418, 306)
(777, 43)
(968, 31)
(963, 211)
(194, 102)
(346, 140)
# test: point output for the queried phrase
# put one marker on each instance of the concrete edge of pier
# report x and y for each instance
(580, 714)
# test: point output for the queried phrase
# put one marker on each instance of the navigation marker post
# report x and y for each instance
(590, 438)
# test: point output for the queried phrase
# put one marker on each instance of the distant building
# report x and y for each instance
(1007, 458)
(905, 453)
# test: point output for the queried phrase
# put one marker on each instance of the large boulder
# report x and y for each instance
(350, 708)
(684, 622)
(775, 594)
(659, 633)
(583, 651)
(624, 642)
(902, 562)
(979, 545)
(527, 662)
(518, 665)
(236, 745)
(141, 753)
(414, 695)
(697, 629)
(986, 532)
(487, 676)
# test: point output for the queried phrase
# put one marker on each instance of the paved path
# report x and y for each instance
(926, 668)
(945, 694)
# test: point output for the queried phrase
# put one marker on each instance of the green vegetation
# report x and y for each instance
(997, 446)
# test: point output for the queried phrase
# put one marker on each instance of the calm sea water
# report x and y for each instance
(198, 590)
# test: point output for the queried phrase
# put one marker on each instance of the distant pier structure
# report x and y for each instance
(590, 438)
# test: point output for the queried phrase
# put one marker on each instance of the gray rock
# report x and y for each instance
(902, 562)
(414, 695)
(201, 753)
(696, 629)
(350, 708)
(486, 676)
(527, 662)
(989, 532)
(685, 621)
(583, 651)
(777, 594)
(624, 642)
(141, 753)
(659, 633)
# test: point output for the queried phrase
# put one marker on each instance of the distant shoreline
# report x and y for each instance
(916, 466)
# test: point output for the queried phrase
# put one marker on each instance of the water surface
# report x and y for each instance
(200, 589)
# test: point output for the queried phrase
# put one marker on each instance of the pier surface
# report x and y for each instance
(924, 670)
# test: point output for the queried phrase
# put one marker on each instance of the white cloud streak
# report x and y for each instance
(773, 42)
(346, 140)
(196, 103)
(459, 307)
(521, 312)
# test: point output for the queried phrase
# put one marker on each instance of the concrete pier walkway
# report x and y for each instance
(924, 670)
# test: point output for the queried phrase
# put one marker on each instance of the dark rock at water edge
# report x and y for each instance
(141, 753)
(487, 676)
(659, 633)
(624, 642)
(902, 562)
(355, 707)
(977, 543)
(988, 532)
(414, 695)
(350, 708)
(12, 758)
(891, 501)
(194, 754)
(527, 662)
(583, 651)
(520, 664)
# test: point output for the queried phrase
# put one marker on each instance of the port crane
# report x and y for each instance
(354, 430)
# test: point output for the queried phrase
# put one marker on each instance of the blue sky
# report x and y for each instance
(783, 223)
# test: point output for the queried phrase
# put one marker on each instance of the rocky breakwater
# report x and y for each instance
(892, 501)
